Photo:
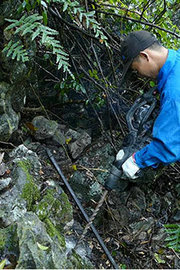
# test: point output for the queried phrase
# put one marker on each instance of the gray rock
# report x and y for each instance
(142, 225)
(59, 136)
(88, 182)
(22, 153)
(176, 217)
(16, 200)
(3, 168)
(9, 119)
(38, 238)
(39, 251)
(82, 140)
(159, 237)
(54, 207)
(44, 128)
(4, 183)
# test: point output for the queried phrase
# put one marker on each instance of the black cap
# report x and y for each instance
(132, 45)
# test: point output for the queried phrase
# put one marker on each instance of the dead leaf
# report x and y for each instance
(41, 172)
(31, 126)
(8, 171)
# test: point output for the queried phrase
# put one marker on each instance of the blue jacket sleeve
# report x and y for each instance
(165, 146)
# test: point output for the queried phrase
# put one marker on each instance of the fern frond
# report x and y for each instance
(32, 26)
(16, 50)
(173, 239)
(73, 7)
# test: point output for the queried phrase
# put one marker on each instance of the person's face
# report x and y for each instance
(145, 66)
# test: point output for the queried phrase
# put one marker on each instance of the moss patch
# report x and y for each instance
(52, 231)
(9, 240)
(56, 207)
(30, 190)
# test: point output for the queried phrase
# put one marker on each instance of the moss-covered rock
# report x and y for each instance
(25, 185)
(39, 251)
(54, 208)
(30, 190)
(9, 241)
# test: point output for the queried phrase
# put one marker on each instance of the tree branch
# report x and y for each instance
(135, 20)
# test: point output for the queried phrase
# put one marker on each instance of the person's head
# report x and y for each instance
(142, 52)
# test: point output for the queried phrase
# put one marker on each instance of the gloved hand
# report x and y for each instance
(120, 155)
(130, 168)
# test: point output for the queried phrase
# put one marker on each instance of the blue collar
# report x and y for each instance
(166, 68)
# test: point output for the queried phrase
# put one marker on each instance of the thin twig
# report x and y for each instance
(43, 108)
(46, 71)
(122, 8)
(8, 143)
(161, 13)
(145, 8)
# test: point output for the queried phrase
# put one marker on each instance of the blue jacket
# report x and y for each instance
(165, 146)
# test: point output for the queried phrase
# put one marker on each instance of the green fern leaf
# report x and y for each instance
(32, 18)
(36, 33)
(31, 25)
(16, 50)
(11, 48)
(7, 46)
(65, 6)
(30, 29)
(173, 239)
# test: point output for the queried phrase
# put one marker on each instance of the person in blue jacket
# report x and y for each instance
(142, 52)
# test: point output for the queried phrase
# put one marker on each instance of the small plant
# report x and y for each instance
(173, 239)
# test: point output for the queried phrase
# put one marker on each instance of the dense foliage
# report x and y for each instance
(34, 20)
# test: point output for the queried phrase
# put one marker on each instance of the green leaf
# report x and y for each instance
(42, 247)
(81, 16)
(32, 18)
(36, 33)
(45, 17)
(158, 259)
(44, 37)
(152, 83)
(65, 6)
(90, 14)
(7, 46)
(2, 264)
(43, 3)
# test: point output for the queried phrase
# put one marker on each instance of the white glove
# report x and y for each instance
(120, 155)
(130, 168)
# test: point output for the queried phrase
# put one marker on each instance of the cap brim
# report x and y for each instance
(125, 70)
